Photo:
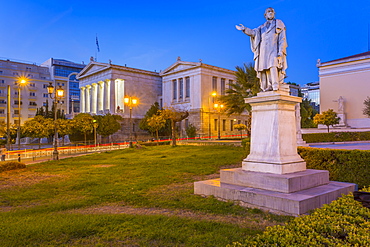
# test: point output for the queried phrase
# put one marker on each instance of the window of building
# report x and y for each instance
(2, 101)
(1, 72)
(181, 88)
(223, 84)
(16, 121)
(45, 86)
(32, 94)
(32, 84)
(187, 87)
(231, 125)
(16, 92)
(2, 81)
(16, 102)
(15, 73)
(44, 103)
(223, 124)
(30, 76)
(16, 111)
(174, 89)
(214, 84)
(45, 95)
(33, 103)
(230, 82)
(2, 111)
(215, 123)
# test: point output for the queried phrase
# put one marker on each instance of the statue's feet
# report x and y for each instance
(275, 86)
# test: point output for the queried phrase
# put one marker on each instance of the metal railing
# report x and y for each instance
(46, 153)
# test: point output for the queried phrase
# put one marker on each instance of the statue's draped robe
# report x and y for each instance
(266, 44)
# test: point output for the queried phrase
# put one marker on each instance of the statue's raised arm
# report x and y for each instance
(268, 43)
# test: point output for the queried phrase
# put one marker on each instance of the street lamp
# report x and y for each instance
(130, 102)
(95, 124)
(58, 94)
(21, 81)
(213, 94)
(219, 107)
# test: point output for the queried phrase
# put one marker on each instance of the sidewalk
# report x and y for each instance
(30, 161)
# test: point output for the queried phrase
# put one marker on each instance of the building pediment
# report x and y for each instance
(93, 68)
(179, 66)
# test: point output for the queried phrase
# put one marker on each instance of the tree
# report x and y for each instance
(327, 118)
(155, 110)
(64, 128)
(175, 116)
(44, 111)
(107, 124)
(83, 123)
(366, 110)
(240, 127)
(155, 123)
(38, 127)
(307, 114)
(245, 86)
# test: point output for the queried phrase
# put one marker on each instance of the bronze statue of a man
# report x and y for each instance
(268, 43)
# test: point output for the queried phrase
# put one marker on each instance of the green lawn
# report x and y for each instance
(132, 197)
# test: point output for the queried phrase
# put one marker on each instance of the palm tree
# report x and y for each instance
(246, 85)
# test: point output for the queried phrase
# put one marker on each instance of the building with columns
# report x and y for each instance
(344, 85)
(192, 86)
(103, 87)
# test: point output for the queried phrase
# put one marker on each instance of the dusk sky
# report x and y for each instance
(151, 35)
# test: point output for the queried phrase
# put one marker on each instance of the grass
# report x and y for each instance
(132, 197)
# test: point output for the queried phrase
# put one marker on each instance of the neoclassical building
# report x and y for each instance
(186, 86)
(195, 86)
(103, 87)
(344, 85)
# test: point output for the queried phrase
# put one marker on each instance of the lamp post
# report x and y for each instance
(21, 82)
(130, 102)
(95, 124)
(213, 94)
(219, 107)
(58, 94)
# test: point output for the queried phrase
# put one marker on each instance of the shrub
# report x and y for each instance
(191, 131)
(336, 137)
(11, 165)
(351, 166)
(344, 222)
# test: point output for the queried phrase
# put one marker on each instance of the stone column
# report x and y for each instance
(88, 99)
(112, 96)
(82, 99)
(94, 100)
(106, 106)
(100, 97)
(274, 137)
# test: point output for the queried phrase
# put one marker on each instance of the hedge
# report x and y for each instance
(336, 137)
(351, 166)
(344, 222)
(11, 165)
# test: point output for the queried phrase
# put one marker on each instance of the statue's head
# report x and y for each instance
(269, 13)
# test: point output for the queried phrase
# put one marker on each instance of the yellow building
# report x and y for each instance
(344, 85)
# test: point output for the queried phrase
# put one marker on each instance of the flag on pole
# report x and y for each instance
(97, 43)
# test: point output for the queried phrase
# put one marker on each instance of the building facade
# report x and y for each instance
(103, 87)
(194, 87)
(311, 91)
(344, 85)
(33, 94)
(64, 74)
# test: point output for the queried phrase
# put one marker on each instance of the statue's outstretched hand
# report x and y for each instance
(240, 27)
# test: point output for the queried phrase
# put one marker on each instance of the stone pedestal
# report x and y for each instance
(273, 176)
(274, 136)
